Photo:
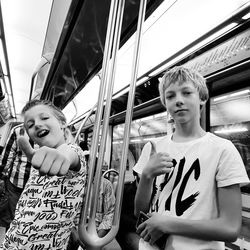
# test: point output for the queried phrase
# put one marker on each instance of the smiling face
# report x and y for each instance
(43, 126)
(183, 102)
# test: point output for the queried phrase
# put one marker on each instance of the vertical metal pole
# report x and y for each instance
(87, 231)
(129, 112)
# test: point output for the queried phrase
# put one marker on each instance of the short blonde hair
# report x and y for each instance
(56, 111)
(181, 74)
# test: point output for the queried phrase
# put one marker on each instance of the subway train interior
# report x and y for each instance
(101, 63)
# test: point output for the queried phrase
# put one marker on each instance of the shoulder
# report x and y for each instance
(162, 142)
(219, 142)
(158, 141)
(79, 152)
(106, 182)
(106, 186)
(163, 139)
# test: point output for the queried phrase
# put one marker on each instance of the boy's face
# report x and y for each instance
(183, 102)
(43, 127)
(89, 142)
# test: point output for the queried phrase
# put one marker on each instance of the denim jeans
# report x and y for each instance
(8, 204)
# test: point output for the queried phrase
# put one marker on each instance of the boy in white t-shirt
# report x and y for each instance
(190, 180)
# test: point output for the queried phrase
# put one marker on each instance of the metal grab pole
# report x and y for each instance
(129, 111)
(87, 231)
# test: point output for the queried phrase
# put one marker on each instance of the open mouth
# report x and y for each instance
(42, 133)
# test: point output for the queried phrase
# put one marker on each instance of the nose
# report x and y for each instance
(179, 100)
(38, 123)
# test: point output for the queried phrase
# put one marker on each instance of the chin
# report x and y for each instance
(181, 120)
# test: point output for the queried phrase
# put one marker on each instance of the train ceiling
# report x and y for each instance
(31, 33)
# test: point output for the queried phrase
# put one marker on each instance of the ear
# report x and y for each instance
(202, 104)
(63, 125)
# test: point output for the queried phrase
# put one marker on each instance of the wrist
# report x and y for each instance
(146, 174)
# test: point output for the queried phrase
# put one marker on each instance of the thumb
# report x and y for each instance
(26, 147)
(153, 148)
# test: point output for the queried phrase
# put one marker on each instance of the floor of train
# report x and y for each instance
(240, 244)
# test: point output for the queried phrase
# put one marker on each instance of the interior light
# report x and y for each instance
(246, 16)
(135, 140)
(120, 93)
(240, 92)
(157, 71)
(117, 142)
(143, 79)
(149, 139)
(220, 98)
(2, 58)
(223, 30)
(231, 130)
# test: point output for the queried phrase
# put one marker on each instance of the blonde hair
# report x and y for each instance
(181, 74)
(56, 111)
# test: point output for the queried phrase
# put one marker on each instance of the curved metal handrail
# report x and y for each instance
(46, 59)
(83, 122)
(111, 170)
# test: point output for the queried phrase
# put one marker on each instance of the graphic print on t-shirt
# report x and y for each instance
(181, 179)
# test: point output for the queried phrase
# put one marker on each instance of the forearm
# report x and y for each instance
(143, 195)
(216, 229)
(225, 227)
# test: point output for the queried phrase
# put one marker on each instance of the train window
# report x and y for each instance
(142, 131)
(230, 119)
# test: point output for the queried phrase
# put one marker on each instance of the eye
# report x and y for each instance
(187, 92)
(45, 118)
(169, 97)
(30, 125)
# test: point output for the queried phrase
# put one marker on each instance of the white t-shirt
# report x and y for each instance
(47, 210)
(189, 191)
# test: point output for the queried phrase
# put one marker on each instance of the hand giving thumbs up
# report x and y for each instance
(158, 163)
(47, 160)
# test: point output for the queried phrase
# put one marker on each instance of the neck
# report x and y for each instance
(188, 133)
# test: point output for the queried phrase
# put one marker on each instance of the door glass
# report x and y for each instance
(230, 119)
(142, 131)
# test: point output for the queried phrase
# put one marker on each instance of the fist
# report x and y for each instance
(159, 163)
(47, 160)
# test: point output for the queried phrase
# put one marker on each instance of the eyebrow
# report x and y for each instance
(40, 114)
